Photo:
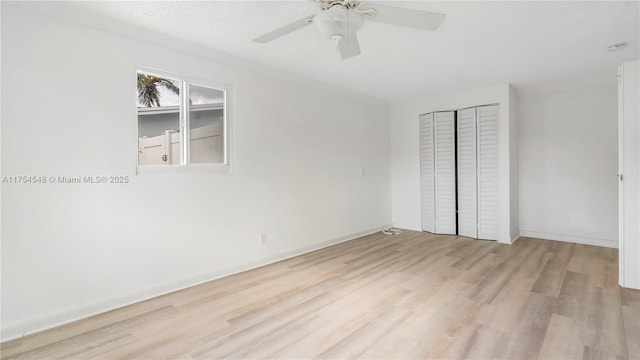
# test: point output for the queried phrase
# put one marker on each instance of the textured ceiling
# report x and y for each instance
(532, 45)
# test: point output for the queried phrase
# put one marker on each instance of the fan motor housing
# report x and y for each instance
(338, 20)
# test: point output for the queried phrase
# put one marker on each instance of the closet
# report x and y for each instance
(460, 172)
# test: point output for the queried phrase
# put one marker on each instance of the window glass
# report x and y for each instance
(206, 124)
(158, 120)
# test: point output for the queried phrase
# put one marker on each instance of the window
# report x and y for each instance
(180, 123)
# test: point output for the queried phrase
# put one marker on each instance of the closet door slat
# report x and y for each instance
(467, 174)
(445, 172)
(427, 173)
(488, 172)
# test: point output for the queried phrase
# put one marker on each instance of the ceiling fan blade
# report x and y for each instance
(418, 19)
(298, 24)
(349, 47)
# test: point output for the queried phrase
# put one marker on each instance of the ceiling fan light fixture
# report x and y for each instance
(338, 21)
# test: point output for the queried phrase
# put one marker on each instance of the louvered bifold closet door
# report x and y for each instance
(445, 152)
(427, 174)
(488, 172)
(467, 174)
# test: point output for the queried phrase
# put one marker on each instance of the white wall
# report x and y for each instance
(69, 108)
(405, 151)
(568, 165)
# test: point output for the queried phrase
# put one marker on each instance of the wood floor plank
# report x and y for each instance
(551, 278)
(533, 264)
(356, 343)
(69, 347)
(276, 340)
(526, 338)
(486, 343)
(605, 318)
(562, 340)
(481, 269)
(508, 308)
(459, 332)
(163, 341)
(325, 336)
(519, 252)
(631, 318)
(478, 254)
(595, 354)
(487, 290)
(562, 251)
(574, 285)
(409, 296)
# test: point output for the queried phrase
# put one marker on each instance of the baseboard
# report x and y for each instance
(570, 238)
(407, 227)
(37, 324)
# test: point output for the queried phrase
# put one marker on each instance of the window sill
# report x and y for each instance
(182, 169)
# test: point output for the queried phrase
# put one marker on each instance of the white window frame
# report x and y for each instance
(185, 166)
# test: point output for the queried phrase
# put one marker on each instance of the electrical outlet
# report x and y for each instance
(263, 238)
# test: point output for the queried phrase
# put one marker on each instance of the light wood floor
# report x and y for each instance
(413, 295)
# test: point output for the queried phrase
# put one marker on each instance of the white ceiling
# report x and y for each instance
(532, 45)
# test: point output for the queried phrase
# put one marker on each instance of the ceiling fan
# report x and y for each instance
(339, 20)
